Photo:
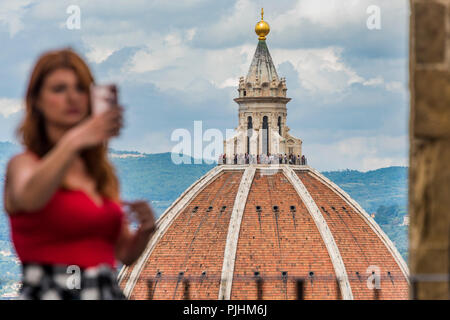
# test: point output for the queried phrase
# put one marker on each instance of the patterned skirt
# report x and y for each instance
(61, 282)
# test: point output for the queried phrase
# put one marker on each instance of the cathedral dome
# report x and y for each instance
(241, 223)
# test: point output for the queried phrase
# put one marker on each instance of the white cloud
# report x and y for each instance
(332, 13)
(47, 10)
(163, 51)
(148, 142)
(101, 45)
(125, 155)
(183, 64)
(236, 23)
(323, 71)
(374, 81)
(337, 14)
(230, 82)
(106, 26)
(361, 153)
(320, 71)
(373, 163)
(11, 14)
(10, 106)
(5, 253)
(396, 86)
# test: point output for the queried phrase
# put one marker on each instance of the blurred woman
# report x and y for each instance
(62, 194)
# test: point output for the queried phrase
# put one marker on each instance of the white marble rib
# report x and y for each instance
(234, 228)
(325, 232)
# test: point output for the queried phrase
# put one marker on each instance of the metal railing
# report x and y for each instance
(302, 284)
(243, 159)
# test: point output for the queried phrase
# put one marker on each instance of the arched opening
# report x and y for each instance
(279, 125)
(265, 136)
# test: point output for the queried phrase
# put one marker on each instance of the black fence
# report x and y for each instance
(185, 283)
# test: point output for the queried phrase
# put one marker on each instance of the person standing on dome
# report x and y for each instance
(62, 194)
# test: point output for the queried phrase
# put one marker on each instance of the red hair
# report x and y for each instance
(32, 134)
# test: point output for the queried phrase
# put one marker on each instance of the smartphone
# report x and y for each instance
(103, 97)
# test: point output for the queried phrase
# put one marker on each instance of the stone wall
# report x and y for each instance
(429, 190)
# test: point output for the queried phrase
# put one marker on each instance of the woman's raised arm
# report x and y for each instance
(30, 184)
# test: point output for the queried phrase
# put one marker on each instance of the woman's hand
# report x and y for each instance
(131, 245)
(97, 128)
(144, 215)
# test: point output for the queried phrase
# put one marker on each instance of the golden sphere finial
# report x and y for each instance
(262, 28)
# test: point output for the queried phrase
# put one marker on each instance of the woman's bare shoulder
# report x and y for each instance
(19, 165)
(24, 158)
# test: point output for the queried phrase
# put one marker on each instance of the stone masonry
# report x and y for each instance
(429, 190)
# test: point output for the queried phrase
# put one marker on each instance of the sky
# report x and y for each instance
(177, 62)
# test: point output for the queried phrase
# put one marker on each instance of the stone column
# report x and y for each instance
(260, 143)
(429, 173)
(229, 150)
(241, 140)
(275, 139)
(254, 142)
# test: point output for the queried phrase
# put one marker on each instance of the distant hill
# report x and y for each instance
(155, 178)
(375, 188)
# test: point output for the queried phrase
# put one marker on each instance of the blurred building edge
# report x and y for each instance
(429, 175)
(266, 231)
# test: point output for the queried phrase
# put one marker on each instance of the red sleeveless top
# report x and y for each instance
(71, 229)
